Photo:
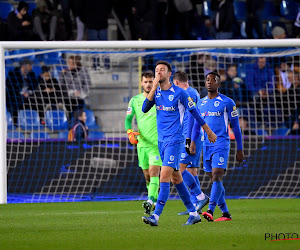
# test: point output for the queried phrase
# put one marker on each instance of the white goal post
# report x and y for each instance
(111, 45)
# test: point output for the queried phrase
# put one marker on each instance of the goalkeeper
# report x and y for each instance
(146, 140)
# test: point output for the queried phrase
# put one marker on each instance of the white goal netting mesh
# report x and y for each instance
(45, 88)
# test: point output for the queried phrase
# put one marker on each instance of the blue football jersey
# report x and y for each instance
(171, 105)
(193, 93)
(216, 113)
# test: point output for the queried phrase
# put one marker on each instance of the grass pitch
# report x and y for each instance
(118, 225)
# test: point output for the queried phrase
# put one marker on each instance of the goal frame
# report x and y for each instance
(111, 45)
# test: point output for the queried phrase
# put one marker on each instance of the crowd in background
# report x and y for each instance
(146, 19)
(266, 86)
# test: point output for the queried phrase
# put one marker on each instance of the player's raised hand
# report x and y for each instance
(156, 82)
(240, 156)
(193, 148)
(132, 136)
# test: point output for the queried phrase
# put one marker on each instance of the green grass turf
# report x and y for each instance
(118, 225)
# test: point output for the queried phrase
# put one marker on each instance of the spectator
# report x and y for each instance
(44, 21)
(144, 17)
(179, 14)
(260, 87)
(20, 86)
(245, 129)
(233, 85)
(76, 81)
(278, 33)
(79, 131)
(223, 18)
(19, 24)
(296, 26)
(255, 10)
(76, 7)
(94, 15)
(49, 95)
(259, 78)
(288, 92)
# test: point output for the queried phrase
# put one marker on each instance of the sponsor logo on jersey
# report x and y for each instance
(162, 107)
(171, 97)
(234, 113)
(129, 110)
(172, 157)
(158, 94)
(211, 113)
(216, 103)
(170, 162)
(203, 103)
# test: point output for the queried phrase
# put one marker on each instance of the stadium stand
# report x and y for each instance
(56, 120)
(29, 119)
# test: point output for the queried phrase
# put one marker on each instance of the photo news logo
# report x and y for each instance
(281, 236)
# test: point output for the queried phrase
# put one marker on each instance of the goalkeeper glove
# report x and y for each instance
(187, 145)
(131, 136)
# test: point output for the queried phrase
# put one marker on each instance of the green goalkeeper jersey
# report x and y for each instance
(146, 121)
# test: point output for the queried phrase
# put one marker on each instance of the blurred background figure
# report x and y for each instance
(19, 24)
(76, 82)
(278, 33)
(254, 10)
(44, 20)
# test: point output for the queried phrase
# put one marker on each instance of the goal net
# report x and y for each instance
(46, 87)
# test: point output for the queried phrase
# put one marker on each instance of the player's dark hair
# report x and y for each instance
(215, 74)
(147, 74)
(78, 113)
(181, 76)
(165, 63)
(23, 5)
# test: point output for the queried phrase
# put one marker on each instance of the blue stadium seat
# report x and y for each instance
(96, 134)
(91, 120)
(206, 9)
(5, 9)
(39, 135)
(240, 10)
(56, 120)
(261, 132)
(281, 131)
(289, 9)
(9, 121)
(29, 119)
(63, 134)
(270, 12)
(15, 135)
(32, 6)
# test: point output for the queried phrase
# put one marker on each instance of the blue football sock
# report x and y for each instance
(216, 191)
(162, 197)
(198, 182)
(185, 197)
(222, 203)
(189, 180)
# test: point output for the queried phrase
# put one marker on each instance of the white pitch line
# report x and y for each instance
(79, 213)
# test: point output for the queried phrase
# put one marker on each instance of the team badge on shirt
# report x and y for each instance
(129, 110)
(190, 103)
(217, 103)
(234, 112)
(171, 97)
